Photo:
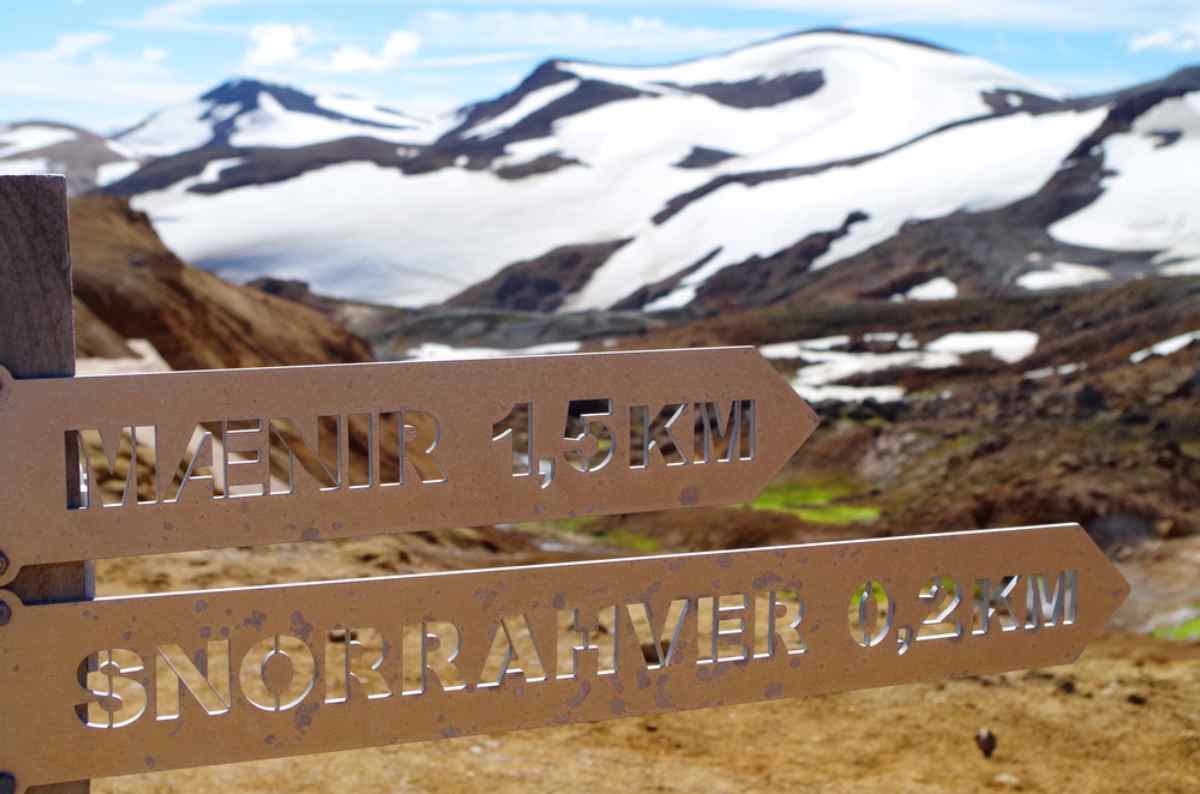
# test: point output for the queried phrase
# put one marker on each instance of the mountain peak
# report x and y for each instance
(245, 92)
(866, 34)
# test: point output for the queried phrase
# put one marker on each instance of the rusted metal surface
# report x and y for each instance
(940, 606)
(457, 407)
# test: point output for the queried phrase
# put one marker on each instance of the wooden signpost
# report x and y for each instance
(115, 686)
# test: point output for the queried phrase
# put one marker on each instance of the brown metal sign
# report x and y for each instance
(219, 676)
(434, 445)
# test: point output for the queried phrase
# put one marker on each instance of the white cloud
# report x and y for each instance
(74, 70)
(154, 55)
(68, 45)
(184, 16)
(278, 49)
(1028, 14)
(399, 47)
(571, 30)
(277, 44)
(1182, 38)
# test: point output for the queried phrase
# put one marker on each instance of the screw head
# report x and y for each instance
(3, 563)
(5, 616)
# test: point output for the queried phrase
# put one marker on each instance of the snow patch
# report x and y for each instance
(824, 368)
(830, 366)
(1165, 347)
(436, 351)
(849, 394)
(175, 129)
(936, 289)
(271, 124)
(146, 360)
(1007, 346)
(23, 167)
(904, 341)
(30, 137)
(527, 105)
(1149, 199)
(107, 173)
(1062, 275)
(797, 348)
(210, 174)
(365, 110)
(1045, 372)
(1188, 267)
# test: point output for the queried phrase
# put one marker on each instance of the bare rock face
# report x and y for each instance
(542, 283)
(129, 286)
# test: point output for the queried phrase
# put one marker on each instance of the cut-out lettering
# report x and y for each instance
(422, 434)
(277, 673)
(944, 597)
(1046, 608)
(516, 427)
(316, 446)
(588, 647)
(440, 644)
(724, 435)
(659, 636)
(120, 700)
(206, 679)
(247, 469)
(586, 428)
(731, 628)
(994, 602)
(513, 653)
(648, 434)
(198, 464)
(778, 615)
(872, 611)
(116, 464)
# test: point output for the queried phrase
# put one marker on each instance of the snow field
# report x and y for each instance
(934, 177)
(824, 368)
(1151, 201)
(30, 137)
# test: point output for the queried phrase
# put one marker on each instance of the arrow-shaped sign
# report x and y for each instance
(372, 448)
(293, 669)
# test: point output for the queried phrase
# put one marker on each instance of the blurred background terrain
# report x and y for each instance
(989, 289)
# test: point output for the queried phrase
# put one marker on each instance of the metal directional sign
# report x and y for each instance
(208, 677)
(370, 448)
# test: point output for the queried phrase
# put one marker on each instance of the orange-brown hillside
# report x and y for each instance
(128, 285)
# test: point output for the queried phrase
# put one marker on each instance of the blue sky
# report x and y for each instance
(107, 63)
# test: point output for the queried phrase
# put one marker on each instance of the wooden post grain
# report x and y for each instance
(37, 340)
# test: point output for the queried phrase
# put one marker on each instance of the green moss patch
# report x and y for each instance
(1187, 631)
(815, 502)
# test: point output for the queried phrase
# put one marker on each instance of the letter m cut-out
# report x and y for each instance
(108, 461)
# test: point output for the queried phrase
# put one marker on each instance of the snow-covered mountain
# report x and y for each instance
(248, 114)
(828, 164)
(34, 147)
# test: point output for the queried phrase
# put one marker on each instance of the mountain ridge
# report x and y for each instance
(796, 135)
